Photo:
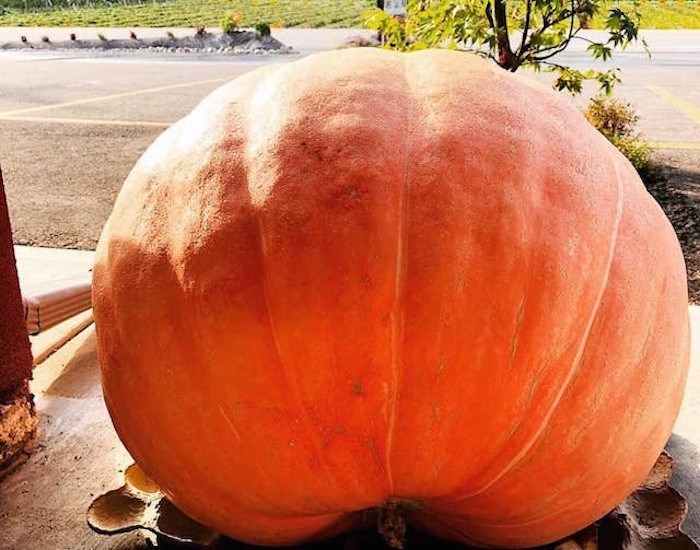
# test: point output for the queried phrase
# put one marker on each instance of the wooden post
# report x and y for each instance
(17, 416)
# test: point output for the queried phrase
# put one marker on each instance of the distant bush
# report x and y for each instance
(262, 29)
(617, 121)
(230, 22)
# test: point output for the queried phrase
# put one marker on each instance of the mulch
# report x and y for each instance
(678, 193)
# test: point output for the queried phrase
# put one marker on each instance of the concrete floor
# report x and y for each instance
(77, 454)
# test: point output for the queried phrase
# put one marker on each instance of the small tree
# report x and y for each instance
(514, 33)
(230, 22)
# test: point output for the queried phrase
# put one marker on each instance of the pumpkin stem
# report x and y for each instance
(391, 523)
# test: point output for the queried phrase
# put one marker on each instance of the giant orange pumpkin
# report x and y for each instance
(412, 281)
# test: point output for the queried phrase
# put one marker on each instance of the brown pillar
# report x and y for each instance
(17, 419)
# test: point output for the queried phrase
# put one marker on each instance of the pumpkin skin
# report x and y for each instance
(370, 277)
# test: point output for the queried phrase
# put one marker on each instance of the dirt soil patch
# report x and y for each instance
(678, 193)
(61, 180)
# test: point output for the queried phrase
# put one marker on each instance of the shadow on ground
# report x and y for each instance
(686, 474)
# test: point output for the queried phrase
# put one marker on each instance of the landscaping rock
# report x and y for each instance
(236, 43)
(360, 41)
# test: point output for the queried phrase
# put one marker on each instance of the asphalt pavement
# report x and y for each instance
(73, 125)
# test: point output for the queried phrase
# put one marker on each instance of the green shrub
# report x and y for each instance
(262, 30)
(230, 22)
(617, 121)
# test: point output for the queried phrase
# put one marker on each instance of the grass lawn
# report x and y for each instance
(657, 14)
(188, 13)
(673, 14)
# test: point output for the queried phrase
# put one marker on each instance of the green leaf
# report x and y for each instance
(600, 51)
(465, 25)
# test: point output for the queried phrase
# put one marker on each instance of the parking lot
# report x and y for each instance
(72, 128)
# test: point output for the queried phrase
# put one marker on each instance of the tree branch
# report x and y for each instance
(547, 22)
(587, 40)
(557, 46)
(554, 65)
(489, 15)
(564, 43)
(526, 28)
(506, 58)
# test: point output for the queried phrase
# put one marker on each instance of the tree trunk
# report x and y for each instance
(17, 420)
(506, 58)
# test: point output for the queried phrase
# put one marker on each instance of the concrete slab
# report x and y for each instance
(39, 265)
(684, 445)
(43, 503)
(50, 341)
(688, 423)
(78, 456)
(43, 268)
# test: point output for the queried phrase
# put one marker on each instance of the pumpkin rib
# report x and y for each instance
(258, 133)
(235, 109)
(518, 458)
(273, 331)
(228, 420)
(398, 315)
(543, 519)
(648, 439)
(519, 318)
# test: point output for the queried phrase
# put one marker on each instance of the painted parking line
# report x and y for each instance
(668, 145)
(110, 96)
(93, 121)
(686, 107)
(675, 145)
